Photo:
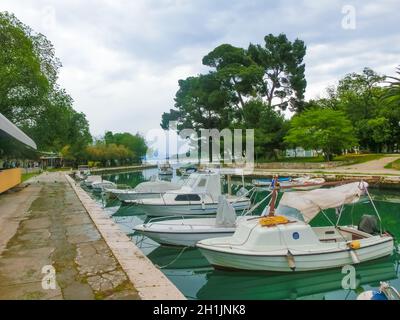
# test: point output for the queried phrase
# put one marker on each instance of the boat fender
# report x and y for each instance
(354, 257)
(203, 205)
(290, 260)
(355, 245)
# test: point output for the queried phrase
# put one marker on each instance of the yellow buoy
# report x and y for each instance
(355, 245)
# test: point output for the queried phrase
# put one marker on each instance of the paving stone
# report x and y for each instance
(57, 230)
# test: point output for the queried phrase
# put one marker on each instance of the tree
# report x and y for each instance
(28, 70)
(108, 153)
(136, 144)
(236, 71)
(270, 125)
(359, 95)
(390, 101)
(322, 129)
(284, 70)
(392, 93)
(243, 84)
(202, 103)
(29, 94)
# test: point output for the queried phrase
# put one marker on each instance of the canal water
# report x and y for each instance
(192, 274)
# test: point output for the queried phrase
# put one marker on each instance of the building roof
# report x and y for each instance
(11, 129)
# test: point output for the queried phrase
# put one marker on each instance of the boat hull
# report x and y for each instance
(184, 232)
(183, 239)
(303, 262)
(187, 209)
(125, 197)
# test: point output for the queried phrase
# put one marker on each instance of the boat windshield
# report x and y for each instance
(289, 212)
(190, 182)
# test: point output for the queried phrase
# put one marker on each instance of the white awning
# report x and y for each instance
(310, 203)
(8, 127)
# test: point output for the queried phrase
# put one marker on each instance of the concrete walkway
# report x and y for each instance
(45, 224)
(374, 166)
(370, 168)
(149, 281)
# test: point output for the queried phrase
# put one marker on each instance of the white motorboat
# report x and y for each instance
(144, 190)
(198, 196)
(103, 185)
(91, 179)
(188, 231)
(287, 242)
(84, 169)
(165, 169)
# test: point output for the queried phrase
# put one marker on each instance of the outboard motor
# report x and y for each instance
(368, 224)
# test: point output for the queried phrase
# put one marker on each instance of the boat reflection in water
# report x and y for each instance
(129, 210)
(175, 258)
(185, 267)
(180, 265)
(276, 286)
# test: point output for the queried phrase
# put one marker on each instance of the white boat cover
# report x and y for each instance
(226, 214)
(93, 179)
(308, 180)
(156, 186)
(310, 203)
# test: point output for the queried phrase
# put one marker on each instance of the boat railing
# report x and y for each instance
(252, 209)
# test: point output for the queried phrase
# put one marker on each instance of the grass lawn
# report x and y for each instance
(393, 165)
(58, 169)
(26, 176)
(348, 159)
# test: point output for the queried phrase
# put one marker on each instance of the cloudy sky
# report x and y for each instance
(122, 59)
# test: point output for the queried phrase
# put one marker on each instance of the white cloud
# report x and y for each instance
(122, 59)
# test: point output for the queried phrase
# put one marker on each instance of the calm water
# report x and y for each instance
(192, 274)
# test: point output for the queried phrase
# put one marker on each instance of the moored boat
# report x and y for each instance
(165, 169)
(91, 179)
(144, 190)
(287, 243)
(188, 231)
(99, 186)
(198, 196)
(301, 183)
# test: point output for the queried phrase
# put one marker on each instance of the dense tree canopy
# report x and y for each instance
(371, 107)
(254, 83)
(30, 96)
(135, 144)
(108, 154)
(282, 63)
(322, 129)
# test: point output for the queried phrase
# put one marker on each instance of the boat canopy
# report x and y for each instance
(226, 214)
(310, 203)
(157, 186)
(203, 183)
